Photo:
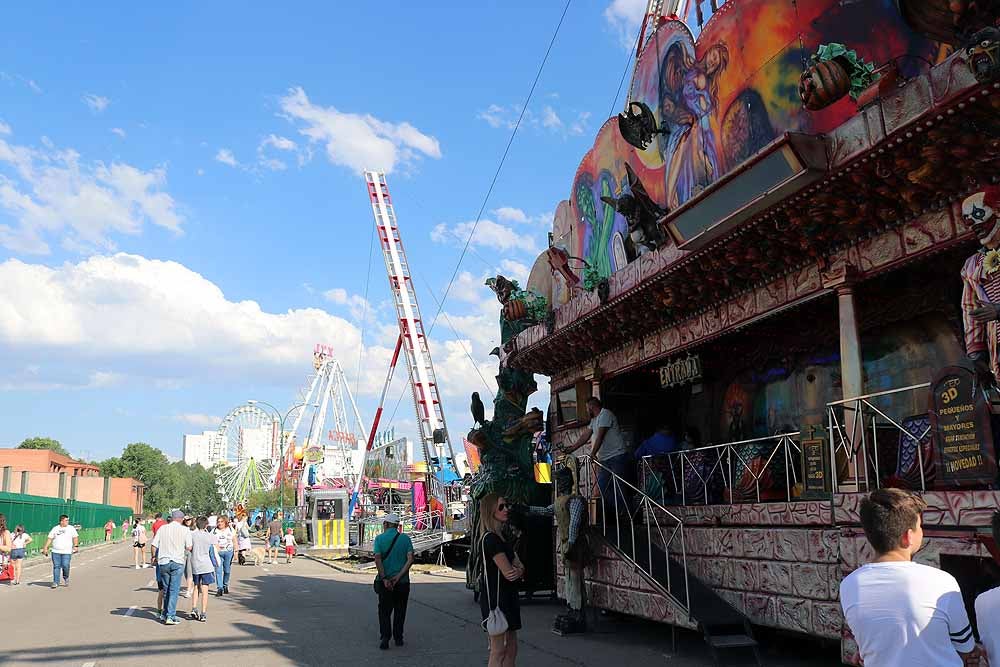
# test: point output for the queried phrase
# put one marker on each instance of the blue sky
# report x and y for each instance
(182, 214)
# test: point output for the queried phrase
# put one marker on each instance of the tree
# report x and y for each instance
(272, 497)
(43, 443)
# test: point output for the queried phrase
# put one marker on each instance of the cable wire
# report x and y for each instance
(628, 62)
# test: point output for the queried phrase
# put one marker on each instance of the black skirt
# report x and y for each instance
(507, 600)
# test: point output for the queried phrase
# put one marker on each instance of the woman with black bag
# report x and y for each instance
(497, 586)
(393, 558)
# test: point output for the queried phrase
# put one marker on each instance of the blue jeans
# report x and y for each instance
(619, 466)
(171, 573)
(224, 569)
(60, 564)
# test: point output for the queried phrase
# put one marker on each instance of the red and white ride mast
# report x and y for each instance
(434, 435)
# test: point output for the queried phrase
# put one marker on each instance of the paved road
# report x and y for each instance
(303, 614)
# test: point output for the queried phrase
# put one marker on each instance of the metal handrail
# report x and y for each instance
(651, 511)
(723, 465)
(856, 441)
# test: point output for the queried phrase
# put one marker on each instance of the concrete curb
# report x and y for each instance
(333, 566)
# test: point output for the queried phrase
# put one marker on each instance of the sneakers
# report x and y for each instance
(218, 593)
(145, 565)
(138, 567)
(171, 621)
(203, 617)
(54, 586)
(225, 589)
(193, 615)
(66, 583)
(384, 644)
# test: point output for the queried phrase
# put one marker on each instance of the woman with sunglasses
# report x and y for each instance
(498, 585)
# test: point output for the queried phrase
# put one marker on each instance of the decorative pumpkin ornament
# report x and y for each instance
(823, 84)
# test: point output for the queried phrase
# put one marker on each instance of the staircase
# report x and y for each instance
(647, 535)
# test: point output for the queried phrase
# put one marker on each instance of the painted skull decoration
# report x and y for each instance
(981, 214)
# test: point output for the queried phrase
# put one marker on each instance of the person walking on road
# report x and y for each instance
(204, 561)
(274, 533)
(65, 542)
(109, 530)
(225, 537)
(497, 584)
(139, 544)
(172, 542)
(289, 546)
(19, 544)
(125, 528)
(393, 558)
(188, 572)
(6, 543)
(158, 522)
(243, 537)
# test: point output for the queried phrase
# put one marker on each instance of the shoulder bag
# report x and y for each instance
(496, 622)
(379, 585)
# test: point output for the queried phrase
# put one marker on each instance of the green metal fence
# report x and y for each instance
(39, 514)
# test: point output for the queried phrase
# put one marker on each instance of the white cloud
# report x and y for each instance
(579, 126)
(49, 191)
(358, 141)
(35, 88)
(281, 143)
(624, 18)
(488, 234)
(225, 156)
(198, 420)
(516, 271)
(511, 214)
(356, 305)
(122, 315)
(4, 128)
(497, 116)
(200, 171)
(550, 118)
(119, 131)
(96, 103)
(30, 378)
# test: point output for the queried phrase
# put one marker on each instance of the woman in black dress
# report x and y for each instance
(498, 587)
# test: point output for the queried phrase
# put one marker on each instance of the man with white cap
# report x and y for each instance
(172, 542)
(393, 558)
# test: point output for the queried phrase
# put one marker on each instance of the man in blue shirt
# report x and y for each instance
(393, 558)
(661, 442)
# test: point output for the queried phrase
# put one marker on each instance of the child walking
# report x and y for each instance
(289, 546)
(204, 561)
(19, 547)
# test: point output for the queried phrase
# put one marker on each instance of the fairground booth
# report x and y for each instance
(781, 253)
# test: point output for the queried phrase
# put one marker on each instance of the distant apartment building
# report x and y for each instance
(203, 448)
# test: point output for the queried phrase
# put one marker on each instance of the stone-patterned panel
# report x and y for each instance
(791, 544)
(828, 619)
(810, 580)
(880, 250)
(757, 543)
(735, 598)
(775, 577)
(798, 513)
(823, 546)
(746, 575)
(794, 614)
(926, 231)
(761, 609)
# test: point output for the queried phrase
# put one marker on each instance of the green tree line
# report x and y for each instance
(168, 485)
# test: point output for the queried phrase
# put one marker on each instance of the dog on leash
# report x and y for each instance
(258, 555)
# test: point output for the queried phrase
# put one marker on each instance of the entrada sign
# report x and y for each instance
(681, 371)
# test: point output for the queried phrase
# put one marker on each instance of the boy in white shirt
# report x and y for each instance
(988, 611)
(289, 546)
(904, 614)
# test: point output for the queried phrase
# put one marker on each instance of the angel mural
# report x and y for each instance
(689, 96)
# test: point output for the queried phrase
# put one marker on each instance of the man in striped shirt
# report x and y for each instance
(904, 614)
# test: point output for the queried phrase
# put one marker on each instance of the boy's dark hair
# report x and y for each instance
(596, 401)
(158, 515)
(201, 522)
(63, 516)
(887, 514)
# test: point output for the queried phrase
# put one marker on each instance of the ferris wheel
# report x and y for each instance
(246, 441)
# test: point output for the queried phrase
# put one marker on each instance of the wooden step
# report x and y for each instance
(731, 641)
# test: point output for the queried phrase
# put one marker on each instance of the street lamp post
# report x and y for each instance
(281, 452)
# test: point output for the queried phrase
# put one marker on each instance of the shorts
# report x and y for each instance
(204, 579)
(139, 545)
(17, 554)
(274, 541)
(290, 551)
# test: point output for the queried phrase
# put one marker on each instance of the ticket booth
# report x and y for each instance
(327, 518)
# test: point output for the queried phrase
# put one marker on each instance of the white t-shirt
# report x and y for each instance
(172, 542)
(139, 533)
(614, 443)
(19, 541)
(213, 520)
(988, 617)
(62, 539)
(289, 540)
(904, 614)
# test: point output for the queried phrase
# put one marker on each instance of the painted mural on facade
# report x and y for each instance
(724, 96)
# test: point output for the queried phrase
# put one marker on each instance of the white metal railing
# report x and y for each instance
(617, 501)
(854, 425)
(719, 469)
(420, 526)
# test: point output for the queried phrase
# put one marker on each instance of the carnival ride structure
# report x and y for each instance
(245, 447)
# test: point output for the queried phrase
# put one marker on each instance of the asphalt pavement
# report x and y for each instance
(307, 613)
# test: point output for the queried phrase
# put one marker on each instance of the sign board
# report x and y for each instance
(815, 463)
(681, 371)
(960, 422)
(313, 455)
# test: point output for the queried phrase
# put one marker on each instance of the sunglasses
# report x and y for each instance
(501, 507)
